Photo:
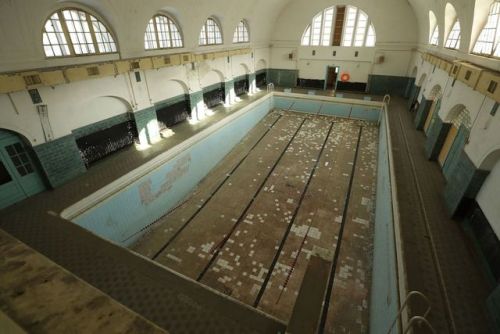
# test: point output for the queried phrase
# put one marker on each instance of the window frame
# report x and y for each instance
(205, 27)
(431, 37)
(454, 41)
(495, 48)
(157, 34)
(65, 31)
(322, 37)
(236, 32)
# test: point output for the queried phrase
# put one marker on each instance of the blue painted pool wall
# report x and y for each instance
(122, 216)
(366, 113)
(384, 292)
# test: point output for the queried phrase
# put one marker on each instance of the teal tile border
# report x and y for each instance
(60, 159)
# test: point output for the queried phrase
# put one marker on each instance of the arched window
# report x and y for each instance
(210, 33)
(241, 33)
(340, 25)
(453, 41)
(434, 40)
(71, 32)
(162, 33)
(488, 42)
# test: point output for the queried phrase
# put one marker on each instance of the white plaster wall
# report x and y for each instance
(98, 109)
(484, 136)
(23, 120)
(488, 198)
(167, 82)
(396, 34)
(21, 25)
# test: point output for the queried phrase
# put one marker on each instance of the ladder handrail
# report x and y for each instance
(388, 98)
(419, 319)
(270, 87)
(405, 304)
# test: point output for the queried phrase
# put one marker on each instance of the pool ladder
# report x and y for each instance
(417, 319)
(270, 87)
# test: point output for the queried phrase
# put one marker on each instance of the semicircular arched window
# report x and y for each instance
(488, 42)
(74, 32)
(241, 33)
(340, 26)
(162, 33)
(210, 33)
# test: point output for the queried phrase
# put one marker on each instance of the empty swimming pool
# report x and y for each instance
(243, 210)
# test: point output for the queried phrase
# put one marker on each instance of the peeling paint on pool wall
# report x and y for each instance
(122, 215)
(180, 168)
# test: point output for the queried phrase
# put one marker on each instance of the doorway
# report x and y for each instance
(19, 176)
(332, 73)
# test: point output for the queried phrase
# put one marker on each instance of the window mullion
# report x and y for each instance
(155, 26)
(66, 33)
(92, 34)
(355, 28)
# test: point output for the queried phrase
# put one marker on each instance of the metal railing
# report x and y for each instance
(412, 321)
(270, 87)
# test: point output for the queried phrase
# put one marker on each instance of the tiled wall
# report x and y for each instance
(60, 159)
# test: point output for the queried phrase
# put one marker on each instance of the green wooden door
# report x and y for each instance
(19, 176)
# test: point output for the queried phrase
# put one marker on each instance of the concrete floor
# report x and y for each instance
(296, 185)
(440, 260)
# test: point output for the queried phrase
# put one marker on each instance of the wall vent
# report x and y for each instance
(92, 71)
(185, 58)
(31, 80)
(455, 69)
(166, 60)
(492, 87)
(135, 65)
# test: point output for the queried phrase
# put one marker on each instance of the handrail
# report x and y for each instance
(388, 98)
(270, 87)
(419, 320)
(405, 304)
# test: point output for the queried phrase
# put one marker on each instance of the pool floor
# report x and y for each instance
(296, 185)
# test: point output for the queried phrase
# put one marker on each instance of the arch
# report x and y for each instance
(96, 109)
(358, 30)
(241, 33)
(435, 92)
(261, 65)
(452, 29)
(73, 31)
(433, 29)
(414, 72)
(450, 16)
(245, 68)
(211, 77)
(422, 79)
(163, 32)
(211, 32)
(16, 132)
(490, 159)
(487, 43)
(459, 115)
(184, 85)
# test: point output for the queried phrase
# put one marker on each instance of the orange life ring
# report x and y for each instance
(345, 77)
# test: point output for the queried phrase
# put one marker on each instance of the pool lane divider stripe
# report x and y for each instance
(228, 175)
(331, 278)
(221, 244)
(294, 216)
